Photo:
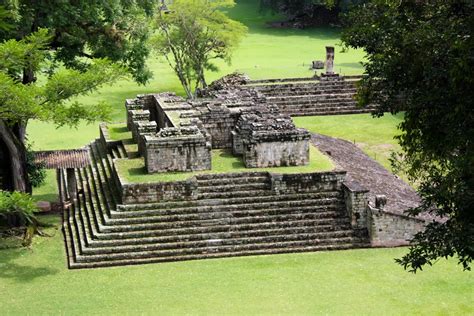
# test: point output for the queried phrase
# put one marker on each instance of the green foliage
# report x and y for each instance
(17, 209)
(310, 12)
(419, 60)
(5, 24)
(194, 33)
(113, 29)
(51, 100)
(36, 171)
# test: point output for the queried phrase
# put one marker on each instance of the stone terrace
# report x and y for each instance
(112, 222)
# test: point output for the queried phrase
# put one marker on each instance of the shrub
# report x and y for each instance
(17, 215)
(17, 209)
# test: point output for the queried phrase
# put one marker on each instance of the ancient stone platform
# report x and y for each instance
(112, 222)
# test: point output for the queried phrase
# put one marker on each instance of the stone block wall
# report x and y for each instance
(104, 138)
(136, 193)
(287, 151)
(136, 115)
(306, 182)
(356, 200)
(172, 149)
(219, 121)
(388, 229)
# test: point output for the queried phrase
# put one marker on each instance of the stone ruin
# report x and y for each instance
(270, 140)
(112, 221)
(174, 134)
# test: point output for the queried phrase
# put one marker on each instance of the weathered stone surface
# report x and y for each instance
(306, 182)
(153, 192)
(173, 149)
(317, 64)
(329, 60)
(270, 140)
(387, 229)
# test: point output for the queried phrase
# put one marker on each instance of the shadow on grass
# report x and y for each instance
(50, 197)
(139, 171)
(28, 270)
(119, 129)
(19, 272)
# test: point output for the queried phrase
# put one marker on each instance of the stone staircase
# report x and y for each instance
(325, 97)
(234, 215)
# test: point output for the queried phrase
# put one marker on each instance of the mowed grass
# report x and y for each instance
(356, 282)
(223, 161)
(375, 136)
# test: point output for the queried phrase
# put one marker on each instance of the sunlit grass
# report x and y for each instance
(375, 136)
(356, 282)
(134, 171)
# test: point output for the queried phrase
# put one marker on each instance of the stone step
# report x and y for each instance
(222, 226)
(323, 222)
(253, 252)
(310, 97)
(215, 219)
(233, 188)
(313, 93)
(209, 211)
(338, 111)
(232, 201)
(214, 249)
(233, 181)
(224, 207)
(303, 227)
(235, 194)
(104, 178)
(122, 151)
(215, 176)
(315, 103)
(173, 248)
(303, 86)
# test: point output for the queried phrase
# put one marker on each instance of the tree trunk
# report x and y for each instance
(17, 152)
(28, 76)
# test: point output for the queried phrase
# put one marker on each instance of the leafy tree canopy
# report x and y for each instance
(420, 61)
(193, 33)
(49, 101)
(310, 12)
(113, 29)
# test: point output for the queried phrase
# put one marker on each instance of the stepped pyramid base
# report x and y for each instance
(231, 215)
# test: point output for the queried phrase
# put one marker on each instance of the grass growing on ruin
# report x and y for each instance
(119, 131)
(375, 136)
(133, 170)
(357, 282)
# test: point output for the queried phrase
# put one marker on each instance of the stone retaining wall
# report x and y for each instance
(388, 229)
(356, 200)
(136, 193)
(177, 150)
(306, 182)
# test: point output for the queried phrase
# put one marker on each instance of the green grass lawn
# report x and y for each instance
(356, 282)
(133, 170)
(375, 136)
